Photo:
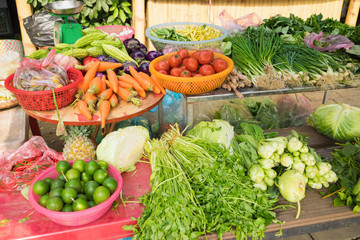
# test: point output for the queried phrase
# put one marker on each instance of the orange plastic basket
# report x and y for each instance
(191, 85)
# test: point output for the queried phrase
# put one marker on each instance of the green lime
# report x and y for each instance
(100, 175)
(41, 187)
(80, 204)
(43, 200)
(91, 166)
(79, 165)
(91, 203)
(49, 180)
(61, 177)
(62, 166)
(57, 183)
(72, 174)
(74, 183)
(110, 183)
(103, 165)
(56, 192)
(101, 194)
(80, 195)
(86, 177)
(90, 188)
(82, 187)
(55, 204)
(67, 208)
(68, 195)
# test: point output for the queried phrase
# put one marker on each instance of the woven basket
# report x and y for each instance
(191, 85)
(43, 100)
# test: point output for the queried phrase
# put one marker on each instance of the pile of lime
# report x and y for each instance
(76, 188)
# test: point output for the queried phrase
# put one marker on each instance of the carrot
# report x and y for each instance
(105, 94)
(90, 100)
(144, 83)
(89, 75)
(113, 100)
(113, 80)
(83, 109)
(125, 85)
(103, 66)
(95, 86)
(103, 84)
(104, 110)
(128, 96)
(107, 83)
(156, 89)
(158, 84)
(129, 79)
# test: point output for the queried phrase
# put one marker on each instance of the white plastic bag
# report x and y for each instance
(9, 62)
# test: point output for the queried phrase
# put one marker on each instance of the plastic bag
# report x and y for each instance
(238, 24)
(329, 43)
(38, 75)
(19, 168)
(9, 62)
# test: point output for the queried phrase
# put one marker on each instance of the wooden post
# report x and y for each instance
(138, 20)
(24, 10)
(353, 12)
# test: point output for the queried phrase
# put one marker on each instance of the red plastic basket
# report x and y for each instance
(117, 30)
(43, 100)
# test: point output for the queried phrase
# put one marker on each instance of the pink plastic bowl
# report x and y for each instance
(118, 29)
(75, 218)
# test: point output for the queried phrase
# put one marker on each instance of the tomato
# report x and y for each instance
(195, 54)
(175, 61)
(185, 73)
(205, 56)
(163, 65)
(90, 59)
(183, 53)
(219, 64)
(206, 70)
(191, 64)
(182, 67)
(176, 72)
(163, 72)
(198, 75)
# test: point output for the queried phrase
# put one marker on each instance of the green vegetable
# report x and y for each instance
(336, 121)
(76, 53)
(39, 54)
(294, 145)
(123, 148)
(117, 43)
(115, 52)
(61, 46)
(356, 189)
(168, 34)
(90, 30)
(88, 38)
(95, 51)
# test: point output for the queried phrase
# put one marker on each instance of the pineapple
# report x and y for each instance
(78, 144)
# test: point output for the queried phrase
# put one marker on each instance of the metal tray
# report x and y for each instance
(64, 7)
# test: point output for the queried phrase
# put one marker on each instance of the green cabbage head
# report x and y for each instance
(340, 122)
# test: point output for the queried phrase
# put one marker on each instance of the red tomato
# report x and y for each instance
(195, 54)
(175, 72)
(163, 65)
(175, 61)
(198, 75)
(90, 59)
(183, 53)
(205, 56)
(219, 64)
(163, 72)
(182, 67)
(206, 70)
(185, 73)
(191, 64)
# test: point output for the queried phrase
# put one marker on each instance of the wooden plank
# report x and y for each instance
(353, 12)
(24, 10)
(139, 19)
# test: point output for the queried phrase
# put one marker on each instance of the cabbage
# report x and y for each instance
(337, 121)
(123, 148)
(217, 131)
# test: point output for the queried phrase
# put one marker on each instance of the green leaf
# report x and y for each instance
(110, 19)
(88, 3)
(125, 4)
(29, 1)
(356, 209)
(86, 11)
(25, 218)
(3, 222)
(127, 10)
(113, 7)
(98, 6)
(93, 1)
(109, 2)
(338, 202)
(91, 14)
(122, 15)
(35, 2)
(105, 6)
(115, 14)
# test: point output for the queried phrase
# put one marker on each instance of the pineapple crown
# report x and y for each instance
(74, 131)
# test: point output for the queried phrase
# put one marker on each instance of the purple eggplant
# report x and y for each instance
(99, 74)
(143, 48)
(144, 67)
(102, 58)
(113, 60)
(152, 55)
(132, 44)
(127, 64)
(138, 56)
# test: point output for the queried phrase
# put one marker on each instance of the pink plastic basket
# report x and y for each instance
(75, 218)
(118, 30)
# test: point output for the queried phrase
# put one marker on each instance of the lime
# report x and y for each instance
(72, 174)
(49, 180)
(62, 166)
(101, 194)
(55, 204)
(90, 188)
(103, 165)
(79, 165)
(57, 183)
(56, 192)
(86, 177)
(68, 195)
(100, 175)
(110, 183)
(91, 166)
(91, 203)
(80, 195)
(67, 208)
(40, 187)
(61, 177)
(82, 187)
(80, 204)
(43, 200)
(74, 183)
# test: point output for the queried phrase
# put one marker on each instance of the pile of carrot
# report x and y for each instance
(106, 92)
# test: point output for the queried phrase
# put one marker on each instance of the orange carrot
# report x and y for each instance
(103, 66)
(156, 89)
(90, 100)
(113, 100)
(104, 110)
(129, 79)
(113, 80)
(95, 86)
(89, 75)
(83, 109)
(128, 96)
(158, 84)
(125, 85)
(144, 83)
(103, 84)
(105, 94)
(107, 83)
